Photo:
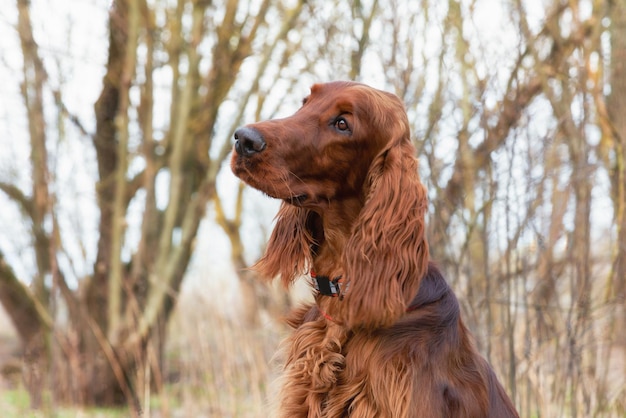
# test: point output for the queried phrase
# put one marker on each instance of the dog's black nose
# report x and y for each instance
(248, 141)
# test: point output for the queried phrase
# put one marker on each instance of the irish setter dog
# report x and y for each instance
(384, 337)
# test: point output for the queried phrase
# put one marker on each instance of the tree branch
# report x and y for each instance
(14, 193)
(27, 316)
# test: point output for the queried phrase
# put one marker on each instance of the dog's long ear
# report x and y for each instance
(387, 254)
(288, 251)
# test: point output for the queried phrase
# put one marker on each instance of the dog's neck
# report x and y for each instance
(337, 222)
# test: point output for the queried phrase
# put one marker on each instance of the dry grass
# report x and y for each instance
(216, 365)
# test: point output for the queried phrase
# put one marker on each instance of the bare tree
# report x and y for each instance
(512, 211)
(113, 343)
(612, 149)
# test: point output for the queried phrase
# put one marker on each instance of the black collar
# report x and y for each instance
(327, 287)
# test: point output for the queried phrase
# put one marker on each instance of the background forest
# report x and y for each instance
(124, 237)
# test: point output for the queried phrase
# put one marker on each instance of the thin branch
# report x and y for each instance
(16, 194)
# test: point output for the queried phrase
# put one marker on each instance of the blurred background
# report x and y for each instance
(125, 238)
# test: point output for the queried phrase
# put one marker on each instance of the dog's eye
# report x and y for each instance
(341, 124)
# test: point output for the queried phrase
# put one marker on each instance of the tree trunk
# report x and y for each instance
(616, 102)
(616, 107)
(36, 349)
(24, 314)
(102, 386)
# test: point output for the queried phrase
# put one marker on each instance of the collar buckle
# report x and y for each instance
(327, 287)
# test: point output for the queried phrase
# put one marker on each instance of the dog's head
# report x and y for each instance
(347, 141)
